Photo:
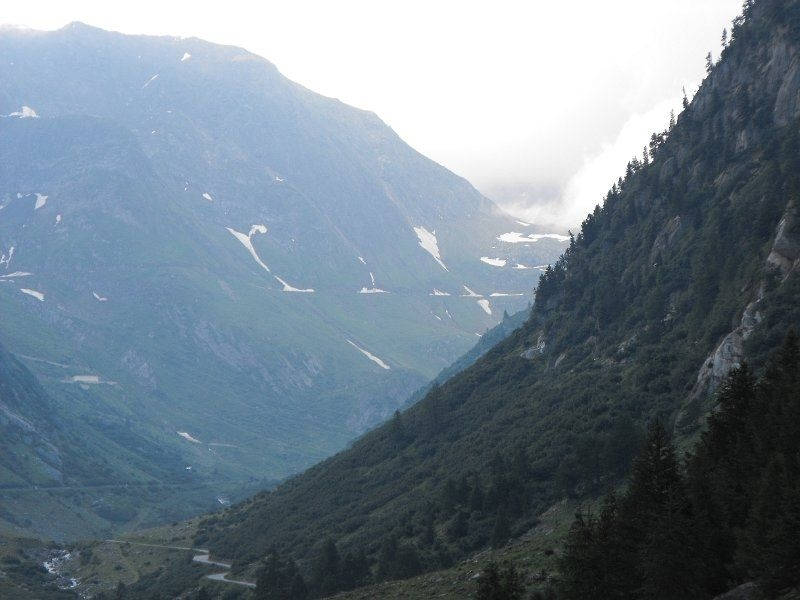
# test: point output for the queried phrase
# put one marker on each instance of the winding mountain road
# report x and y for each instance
(206, 560)
(203, 557)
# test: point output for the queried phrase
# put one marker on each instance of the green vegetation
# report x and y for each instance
(697, 232)
(732, 517)
(22, 576)
(48, 466)
(155, 319)
(689, 268)
(499, 584)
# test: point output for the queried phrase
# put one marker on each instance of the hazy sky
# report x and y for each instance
(540, 103)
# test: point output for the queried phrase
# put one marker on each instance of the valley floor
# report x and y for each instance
(102, 566)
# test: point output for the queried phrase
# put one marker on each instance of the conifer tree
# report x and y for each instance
(476, 500)
(327, 569)
(511, 583)
(579, 564)
(280, 580)
(669, 557)
(655, 475)
(770, 549)
(489, 584)
(387, 556)
(499, 584)
(501, 531)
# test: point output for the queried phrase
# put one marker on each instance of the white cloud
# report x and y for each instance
(588, 186)
(526, 92)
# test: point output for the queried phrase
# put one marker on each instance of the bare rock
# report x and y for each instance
(665, 239)
(746, 591)
(786, 247)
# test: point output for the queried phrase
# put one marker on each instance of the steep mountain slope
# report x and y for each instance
(698, 245)
(488, 340)
(52, 465)
(27, 427)
(199, 255)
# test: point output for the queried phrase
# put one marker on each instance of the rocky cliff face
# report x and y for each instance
(781, 262)
(771, 73)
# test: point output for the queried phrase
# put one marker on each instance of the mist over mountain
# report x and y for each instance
(212, 278)
(202, 255)
(689, 269)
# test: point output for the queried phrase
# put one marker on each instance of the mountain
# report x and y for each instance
(691, 266)
(50, 466)
(203, 260)
(28, 429)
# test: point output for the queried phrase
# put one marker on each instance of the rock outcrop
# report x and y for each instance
(784, 257)
(746, 591)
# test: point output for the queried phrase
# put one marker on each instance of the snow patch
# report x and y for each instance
(5, 259)
(15, 274)
(246, 240)
(92, 379)
(438, 292)
(470, 293)
(58, 219)
(495, 262)
(186, 56)
(26, 112)
(521, 266)
(99, 298)
(372, 290)
(291, 288)
(254, 229)
(41, 200)
(523, 223)
(484, 304)
(370, 356)
(151, 80)
(247, 243)
(208, 197)
(361, 258)
(514, 237)
(38, 295)
(504, 294)
(429, 243)
(185, 435)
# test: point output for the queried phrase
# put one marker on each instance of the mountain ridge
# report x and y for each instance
(622, 324)
(209, 248)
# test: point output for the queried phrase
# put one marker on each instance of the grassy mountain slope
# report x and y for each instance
(59, 462)
(167, 206)
(689, 266)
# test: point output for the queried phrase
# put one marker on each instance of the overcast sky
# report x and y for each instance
(539, 103)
